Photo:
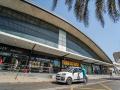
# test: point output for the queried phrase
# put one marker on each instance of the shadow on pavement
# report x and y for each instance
(113, 78)
(58, 83)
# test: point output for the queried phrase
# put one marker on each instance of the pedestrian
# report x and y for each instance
(110, 74)
(51, 68)
(1, 62)
(30, 65)
(16, 64)
(84, 74)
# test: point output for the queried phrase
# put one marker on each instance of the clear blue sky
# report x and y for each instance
(107, 38)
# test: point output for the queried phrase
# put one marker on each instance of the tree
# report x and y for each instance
(80, 8)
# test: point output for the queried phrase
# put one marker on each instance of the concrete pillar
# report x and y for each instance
(62, 40)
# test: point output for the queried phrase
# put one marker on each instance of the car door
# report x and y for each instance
(76, 74)
(80, 74)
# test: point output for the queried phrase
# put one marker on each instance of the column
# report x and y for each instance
(62, 40)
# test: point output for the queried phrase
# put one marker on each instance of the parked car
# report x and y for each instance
(73, 74)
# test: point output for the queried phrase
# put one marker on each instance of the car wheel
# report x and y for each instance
(69, 81)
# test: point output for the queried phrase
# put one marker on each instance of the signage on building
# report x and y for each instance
(70, 63)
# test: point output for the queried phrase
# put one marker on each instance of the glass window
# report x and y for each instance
(77, 70)
(56, 63)
(28, 27)
(76, 46)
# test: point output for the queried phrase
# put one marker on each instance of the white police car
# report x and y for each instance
(73, 74)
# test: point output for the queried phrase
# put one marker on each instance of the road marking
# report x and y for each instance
(105, 86)
(91, 89)
(65, 87)
(87, 89)
(71, 88)
(98, 89)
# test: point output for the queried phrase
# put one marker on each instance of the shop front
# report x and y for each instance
(96, 69)
(104, 70)
(44, 64)
(14, 58)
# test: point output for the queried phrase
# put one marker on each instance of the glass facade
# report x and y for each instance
(34, 29)
(14, 58)
(28, 27)
(44, 63)
(74, 45)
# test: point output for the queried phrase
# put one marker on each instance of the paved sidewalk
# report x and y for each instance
(11, 77)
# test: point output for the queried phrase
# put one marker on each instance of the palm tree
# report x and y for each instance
(80, 8)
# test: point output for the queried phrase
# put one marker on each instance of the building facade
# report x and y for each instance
(44, 42)
(116, 56)
(116, 62)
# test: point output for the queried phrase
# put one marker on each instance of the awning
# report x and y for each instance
(87, 59)
(36, 46)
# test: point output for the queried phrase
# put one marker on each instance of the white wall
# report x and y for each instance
(62, 40)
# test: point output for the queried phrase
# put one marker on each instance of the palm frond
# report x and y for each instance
(86, 14)
(119, 4)
(112, 10)
(77, 9)
(81, 10)
(100, 10)
(82, 13)
(54, 4)
(69, 3)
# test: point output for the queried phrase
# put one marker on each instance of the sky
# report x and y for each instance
(106, 38)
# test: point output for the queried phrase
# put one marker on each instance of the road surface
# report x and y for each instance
(103, 84)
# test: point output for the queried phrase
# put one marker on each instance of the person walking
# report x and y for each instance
(1, 63)
(51, 68)
(84, 74)
(30, 66)
(16, 64)
(110, 74)
(1, 60)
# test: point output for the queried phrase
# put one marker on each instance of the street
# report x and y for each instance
(113, 84)
(103, 84)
